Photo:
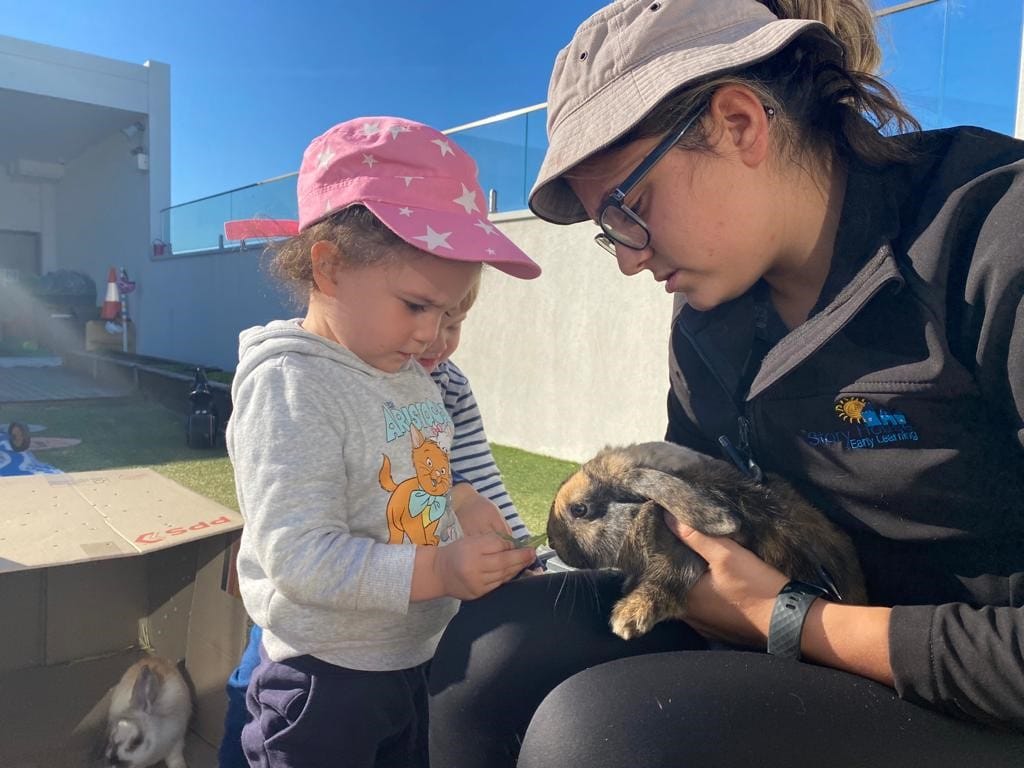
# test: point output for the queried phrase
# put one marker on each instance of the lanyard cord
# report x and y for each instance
(742, 457)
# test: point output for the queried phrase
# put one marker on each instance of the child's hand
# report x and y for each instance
(476, 513)
(472, 566)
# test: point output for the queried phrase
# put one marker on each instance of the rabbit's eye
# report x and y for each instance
(578, 509)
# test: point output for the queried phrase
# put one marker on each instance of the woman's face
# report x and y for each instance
(709, 215)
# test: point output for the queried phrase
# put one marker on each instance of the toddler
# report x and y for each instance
(353, 557)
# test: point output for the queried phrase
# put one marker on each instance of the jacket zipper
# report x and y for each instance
(742, 456)
(753, 470)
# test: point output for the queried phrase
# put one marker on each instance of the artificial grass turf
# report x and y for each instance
(127, 432)
(135, 432)
(531, 480)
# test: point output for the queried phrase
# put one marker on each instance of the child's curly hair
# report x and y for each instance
(362, 240)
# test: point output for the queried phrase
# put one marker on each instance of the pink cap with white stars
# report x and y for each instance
(416, 180)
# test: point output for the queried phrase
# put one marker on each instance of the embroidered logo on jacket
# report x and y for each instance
(869, 427)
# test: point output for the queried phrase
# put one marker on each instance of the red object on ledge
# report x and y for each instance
(252, 229)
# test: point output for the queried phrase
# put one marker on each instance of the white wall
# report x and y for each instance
(104, 211)
(20, 204)
(103, 214)
(574, 360)
(30, 206)
(562, 365)
(64, 74)
(144, 271)
(195, 306)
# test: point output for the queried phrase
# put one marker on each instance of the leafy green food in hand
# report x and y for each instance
(525, 541)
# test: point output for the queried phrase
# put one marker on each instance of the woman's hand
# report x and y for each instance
(733, 601)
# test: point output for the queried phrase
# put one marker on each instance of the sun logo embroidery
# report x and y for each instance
(851, 409)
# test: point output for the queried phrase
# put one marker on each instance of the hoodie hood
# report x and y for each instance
(264, 342)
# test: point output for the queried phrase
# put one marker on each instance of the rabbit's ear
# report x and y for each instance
(147, 686)
(665, 457)
(682, 500)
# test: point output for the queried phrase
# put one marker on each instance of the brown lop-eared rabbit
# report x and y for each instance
(608, 514)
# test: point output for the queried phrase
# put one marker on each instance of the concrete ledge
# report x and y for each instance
(168, 388)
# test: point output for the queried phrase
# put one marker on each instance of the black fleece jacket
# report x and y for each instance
(898, 408)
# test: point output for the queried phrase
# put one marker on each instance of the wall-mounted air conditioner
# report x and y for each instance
(36, 169)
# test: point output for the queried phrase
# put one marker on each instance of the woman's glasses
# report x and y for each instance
(620, 223)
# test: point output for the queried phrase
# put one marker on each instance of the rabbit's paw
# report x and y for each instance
(633, 616)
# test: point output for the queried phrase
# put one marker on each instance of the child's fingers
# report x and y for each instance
(499, 568)
(505, 565)
(512, 571)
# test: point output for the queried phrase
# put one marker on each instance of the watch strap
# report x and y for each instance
(788, 616)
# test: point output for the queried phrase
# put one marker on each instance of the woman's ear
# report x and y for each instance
(324, 256)
(739, 125)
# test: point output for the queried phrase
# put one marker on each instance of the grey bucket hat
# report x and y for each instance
(625, 59)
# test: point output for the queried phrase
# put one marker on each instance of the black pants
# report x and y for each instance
(532, 670)
(307, 713)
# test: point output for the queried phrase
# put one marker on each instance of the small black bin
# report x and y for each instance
(203, 420)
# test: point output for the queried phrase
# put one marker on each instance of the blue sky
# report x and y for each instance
(253, 82)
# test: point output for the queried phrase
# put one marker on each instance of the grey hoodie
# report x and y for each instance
(308, 436)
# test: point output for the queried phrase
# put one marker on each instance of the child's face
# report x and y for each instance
(387, 314)
(446, 342)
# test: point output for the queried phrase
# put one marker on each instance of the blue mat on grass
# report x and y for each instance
(13, 464)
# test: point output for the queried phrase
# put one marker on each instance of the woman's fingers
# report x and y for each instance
(711, 548)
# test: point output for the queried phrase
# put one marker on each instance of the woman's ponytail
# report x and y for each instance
(851, 22)
(827, 105)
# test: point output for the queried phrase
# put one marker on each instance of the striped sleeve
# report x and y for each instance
(471, 456)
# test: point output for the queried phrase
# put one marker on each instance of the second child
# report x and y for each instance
(471, 455)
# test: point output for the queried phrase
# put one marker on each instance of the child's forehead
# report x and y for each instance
(439, 282)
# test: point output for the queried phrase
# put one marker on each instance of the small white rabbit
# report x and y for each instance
(149, 713)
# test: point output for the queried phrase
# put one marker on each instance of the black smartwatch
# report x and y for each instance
(788, 616)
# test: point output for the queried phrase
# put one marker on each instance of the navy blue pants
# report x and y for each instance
(306, 713)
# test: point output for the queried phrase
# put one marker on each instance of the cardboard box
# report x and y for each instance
(98, 337)
(97, 569)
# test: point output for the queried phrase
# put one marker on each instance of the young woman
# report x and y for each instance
(849, 315)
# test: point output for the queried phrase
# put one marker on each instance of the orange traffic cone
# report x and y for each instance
(112, 302)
